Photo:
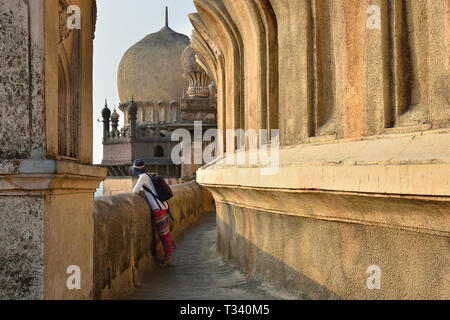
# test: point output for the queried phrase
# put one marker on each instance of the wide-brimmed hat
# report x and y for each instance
(137, 168)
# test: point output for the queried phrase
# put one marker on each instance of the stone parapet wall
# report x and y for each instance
(123, 236)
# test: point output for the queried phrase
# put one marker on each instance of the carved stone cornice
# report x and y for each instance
(383, 165)
(391, 178)
(48, 176)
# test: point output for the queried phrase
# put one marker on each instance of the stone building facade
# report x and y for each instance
(359, 91)
(47, 182)
(153, 73)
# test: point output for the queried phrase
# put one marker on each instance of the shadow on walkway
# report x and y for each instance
(198, 273)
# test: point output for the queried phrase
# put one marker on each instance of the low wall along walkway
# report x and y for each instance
(123, 236)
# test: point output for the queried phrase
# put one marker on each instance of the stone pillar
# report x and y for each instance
(46, 202)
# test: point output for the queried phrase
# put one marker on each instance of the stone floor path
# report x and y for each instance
(198, 273)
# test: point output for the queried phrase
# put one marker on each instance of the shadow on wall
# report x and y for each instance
(262, 266)
(123, 236)
(329, 260)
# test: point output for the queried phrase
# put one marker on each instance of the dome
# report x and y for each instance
(151, 69)
(115, 115)
(106, 112)
(132, 108)
(189, 61)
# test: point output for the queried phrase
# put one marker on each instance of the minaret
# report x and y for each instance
(106, 113)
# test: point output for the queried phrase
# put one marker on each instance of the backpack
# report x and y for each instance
(163, 191)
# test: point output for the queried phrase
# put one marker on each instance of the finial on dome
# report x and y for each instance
(106, 113)
(167, 16)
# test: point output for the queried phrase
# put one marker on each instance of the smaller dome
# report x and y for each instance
(132, 108)
(189, 62)
(106, 112)
(115, 115)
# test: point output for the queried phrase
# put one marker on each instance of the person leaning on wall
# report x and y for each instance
(156, 192)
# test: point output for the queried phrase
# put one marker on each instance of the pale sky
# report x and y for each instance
(120, 24)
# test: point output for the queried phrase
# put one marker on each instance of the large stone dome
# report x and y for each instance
(151, 69)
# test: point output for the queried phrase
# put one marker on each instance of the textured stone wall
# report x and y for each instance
(21, 96)
(316, 71)
(21, 248)
(123, 236)
(45, 205)
(46, 226)
(115, 185)
(359, 92)
(320, 259)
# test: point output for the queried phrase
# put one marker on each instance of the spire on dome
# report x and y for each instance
(106, 112)
(167, 16)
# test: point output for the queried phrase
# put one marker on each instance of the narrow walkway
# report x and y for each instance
(198, 273)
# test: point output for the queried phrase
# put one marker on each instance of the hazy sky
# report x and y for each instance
(120, 24)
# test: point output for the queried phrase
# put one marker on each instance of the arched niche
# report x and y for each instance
(159, 152)
(174, 109)
(69, 96)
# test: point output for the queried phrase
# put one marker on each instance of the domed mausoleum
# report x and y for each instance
(151, 69)
(161, 89)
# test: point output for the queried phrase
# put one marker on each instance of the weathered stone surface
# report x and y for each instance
(21, 96)
(14, 80)
(21, 248)
(46, 226)
(328, 260)
(46, 205)
(363, 115)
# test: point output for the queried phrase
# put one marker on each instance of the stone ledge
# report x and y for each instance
(44, 175)
(31, 166)
(417, 165)
(421, 216)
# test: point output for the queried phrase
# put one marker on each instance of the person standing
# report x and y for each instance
(158, 208)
